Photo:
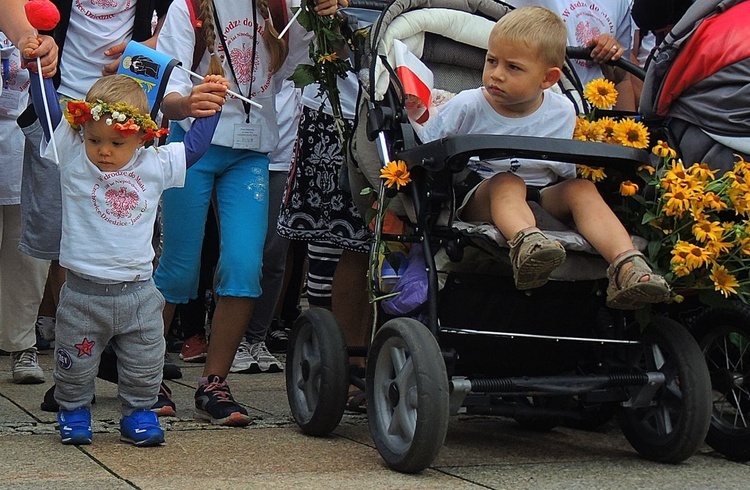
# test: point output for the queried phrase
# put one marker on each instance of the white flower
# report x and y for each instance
(108, 121)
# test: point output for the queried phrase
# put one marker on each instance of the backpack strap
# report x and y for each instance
(200, 42)
(279, 17)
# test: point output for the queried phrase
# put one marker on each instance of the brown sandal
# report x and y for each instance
(533, 257)
(633, 293)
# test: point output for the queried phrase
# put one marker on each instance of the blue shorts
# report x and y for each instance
(238, 180)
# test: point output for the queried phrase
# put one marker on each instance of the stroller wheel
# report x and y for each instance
(407, 395)
(672, 427)
(317, 372)
(724, 337)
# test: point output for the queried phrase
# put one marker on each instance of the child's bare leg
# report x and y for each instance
(632, 283)
(579, 200)
(501, 200)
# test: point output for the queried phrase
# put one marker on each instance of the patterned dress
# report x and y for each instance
(315, 208)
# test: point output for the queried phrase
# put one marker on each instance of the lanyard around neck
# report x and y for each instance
(229, 58)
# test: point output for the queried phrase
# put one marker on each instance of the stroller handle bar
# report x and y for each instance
(584, 53)
(455, 152)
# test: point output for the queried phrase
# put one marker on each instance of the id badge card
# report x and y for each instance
(246, 137)
(10, 101)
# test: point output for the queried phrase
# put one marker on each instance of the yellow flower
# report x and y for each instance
(678, 202)
(705, 230)
(716, 248)
(662, 150)
(711, 200)
(702, 171)
(588, 131)
(607, 125)
(628, 188)
(600, 93)
(594, 174)
(648, 168)
(395, 173)
(724, 282)
(327, 58)
(745, 245)
(631, 133)
(690, 254)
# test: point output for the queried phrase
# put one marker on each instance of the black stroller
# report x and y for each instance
(480, 346)
(697, 92)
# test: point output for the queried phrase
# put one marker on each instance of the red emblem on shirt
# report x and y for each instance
(84, 348)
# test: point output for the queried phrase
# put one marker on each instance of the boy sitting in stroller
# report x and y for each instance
(526, 51)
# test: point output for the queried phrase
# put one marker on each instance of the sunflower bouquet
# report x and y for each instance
(696, 221)
(329, 63)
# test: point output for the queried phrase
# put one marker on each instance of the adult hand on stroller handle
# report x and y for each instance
(584, 53)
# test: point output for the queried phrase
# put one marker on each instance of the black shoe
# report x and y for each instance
(171, 370)
(277, 340)
(164, 406)
(50, 405)
(214, 402)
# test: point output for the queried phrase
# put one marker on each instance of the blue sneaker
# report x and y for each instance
(75, 425)
(141, 428)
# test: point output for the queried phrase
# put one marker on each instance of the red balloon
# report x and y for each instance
(42, 14)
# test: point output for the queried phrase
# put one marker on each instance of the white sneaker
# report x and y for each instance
(266, 361)
(244, 362)
(26, 369)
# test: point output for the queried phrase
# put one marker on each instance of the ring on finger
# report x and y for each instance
(614, 47)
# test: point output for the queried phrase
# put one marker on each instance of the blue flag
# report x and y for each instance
(150, 68)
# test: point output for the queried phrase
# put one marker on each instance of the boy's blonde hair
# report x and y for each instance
(538, 28)
(114, 89)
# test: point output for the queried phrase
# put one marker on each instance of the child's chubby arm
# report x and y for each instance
(205, 102)
(31, 44)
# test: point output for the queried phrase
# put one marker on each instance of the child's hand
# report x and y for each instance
(329, 7)
(207, 98)
(605, 48)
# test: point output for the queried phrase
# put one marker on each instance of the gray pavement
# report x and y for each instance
(479, 452)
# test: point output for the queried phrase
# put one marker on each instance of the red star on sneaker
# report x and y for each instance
(84, 348)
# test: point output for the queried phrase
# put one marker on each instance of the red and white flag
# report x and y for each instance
(415, 77)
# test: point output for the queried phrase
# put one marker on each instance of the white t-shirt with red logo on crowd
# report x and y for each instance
(108, 217)
(586, 20)
(95, 26)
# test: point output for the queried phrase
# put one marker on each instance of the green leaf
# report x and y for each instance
(303, 76)
(305, 19)
(366, 191)
(648, 216)
(653, 249)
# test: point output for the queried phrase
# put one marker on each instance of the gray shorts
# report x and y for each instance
(41, 204)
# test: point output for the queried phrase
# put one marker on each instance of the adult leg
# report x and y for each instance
(351, 304)
(22, 280)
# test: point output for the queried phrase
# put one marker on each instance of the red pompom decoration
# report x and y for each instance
(42, 14)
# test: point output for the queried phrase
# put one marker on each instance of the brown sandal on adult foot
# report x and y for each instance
(533, 257)
(627, 290)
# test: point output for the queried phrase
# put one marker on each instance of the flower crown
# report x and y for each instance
(123, 117)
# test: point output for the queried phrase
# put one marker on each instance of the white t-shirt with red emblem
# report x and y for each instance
(95, 26)
(13, 101)
(108, 217)
(586, 20)
(247, 74)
